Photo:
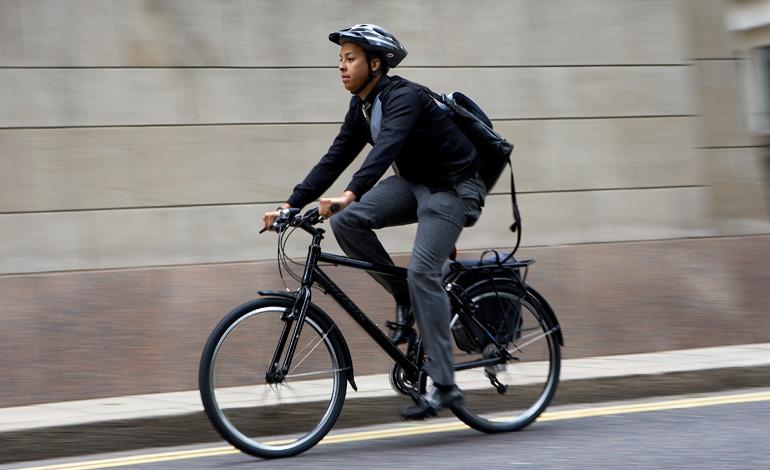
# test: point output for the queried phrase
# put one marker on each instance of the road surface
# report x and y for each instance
(718, 431)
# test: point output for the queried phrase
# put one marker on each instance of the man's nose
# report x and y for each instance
(341, 66)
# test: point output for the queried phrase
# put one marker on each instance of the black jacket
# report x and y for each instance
(422, 139)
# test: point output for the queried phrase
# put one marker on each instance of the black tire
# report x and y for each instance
(531, 377)
(259, 418)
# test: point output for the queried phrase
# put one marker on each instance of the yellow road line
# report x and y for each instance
(419, 429)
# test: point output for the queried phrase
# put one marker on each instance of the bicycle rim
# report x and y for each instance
(524, 385)
(264, 419)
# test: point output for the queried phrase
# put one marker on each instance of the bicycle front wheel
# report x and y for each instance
(261, 416)
(511, 394)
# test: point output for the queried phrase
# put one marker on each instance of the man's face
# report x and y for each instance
(353, 68)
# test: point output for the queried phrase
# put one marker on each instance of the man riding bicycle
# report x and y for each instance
(436, 184)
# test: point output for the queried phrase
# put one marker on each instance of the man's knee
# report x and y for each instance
(347, 220)
(421, 275)
(336, 223)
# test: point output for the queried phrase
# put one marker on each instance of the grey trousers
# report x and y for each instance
(440, 218)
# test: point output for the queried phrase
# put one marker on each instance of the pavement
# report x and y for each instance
(153, 420)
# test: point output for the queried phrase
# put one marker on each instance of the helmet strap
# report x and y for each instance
(364, 85)
(369, 78)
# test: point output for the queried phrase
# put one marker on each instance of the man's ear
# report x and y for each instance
(376, 65)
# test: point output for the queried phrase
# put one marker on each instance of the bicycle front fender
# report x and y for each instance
(327, 324)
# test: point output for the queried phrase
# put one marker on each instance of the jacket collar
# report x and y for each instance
(382, 83)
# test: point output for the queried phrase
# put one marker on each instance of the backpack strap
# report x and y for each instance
(375, 121)
(516, 225)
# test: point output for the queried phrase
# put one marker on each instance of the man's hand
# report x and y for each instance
(269, 217)
(331, 205)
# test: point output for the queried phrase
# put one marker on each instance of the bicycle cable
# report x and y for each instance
(284, 260)
(278, 259)
(283, 241)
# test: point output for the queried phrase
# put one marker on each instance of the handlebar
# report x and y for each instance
(291, 218)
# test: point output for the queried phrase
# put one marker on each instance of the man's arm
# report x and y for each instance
(399, 114)
(343, 151)
(346, 146)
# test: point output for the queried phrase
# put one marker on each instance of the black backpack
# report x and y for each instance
(494, 151)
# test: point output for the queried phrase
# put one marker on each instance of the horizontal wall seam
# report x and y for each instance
(255, 203)
(313, 123)
(588, 190)
(584, 118)
(721, 147)
(230, 263)
(325, 67)
(716, 59)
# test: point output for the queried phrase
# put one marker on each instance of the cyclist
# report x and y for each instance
(436, 185)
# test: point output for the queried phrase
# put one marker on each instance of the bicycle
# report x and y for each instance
(274, 372)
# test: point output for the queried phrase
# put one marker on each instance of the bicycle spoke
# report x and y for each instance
(537, 337)
(308, 345)
(307, 374)
(320, 340)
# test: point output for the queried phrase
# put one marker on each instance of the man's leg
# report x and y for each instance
(391, 202)
(441, 216)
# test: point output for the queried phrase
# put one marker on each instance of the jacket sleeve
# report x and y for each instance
(400, 110)
(346, 146)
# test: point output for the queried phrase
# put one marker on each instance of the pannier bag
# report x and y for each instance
(499, 313)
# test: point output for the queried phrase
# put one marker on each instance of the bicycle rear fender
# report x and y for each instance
(548, 312)
(326, 323)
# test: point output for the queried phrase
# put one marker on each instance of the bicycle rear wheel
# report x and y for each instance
(510, 395)
(266, 419)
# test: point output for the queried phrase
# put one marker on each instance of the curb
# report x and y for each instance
(194, 428)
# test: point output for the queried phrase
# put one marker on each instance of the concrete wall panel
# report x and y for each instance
(151, 237)
(709, 36)
(138, 33)
(563, 155)
(11, 31)
(157, 166)
(120, 97)
(741, 195)
(580, 217)
(724, 120)
(66, 169)
(608, 31)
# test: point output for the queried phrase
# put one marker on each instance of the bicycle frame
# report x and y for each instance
(313, 274)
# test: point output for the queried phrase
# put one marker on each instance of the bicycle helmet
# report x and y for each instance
(372, 38)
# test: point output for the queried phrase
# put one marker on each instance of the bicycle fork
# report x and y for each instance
(296, 316)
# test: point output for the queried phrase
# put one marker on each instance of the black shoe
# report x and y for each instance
(401, 329)
(434, 400)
